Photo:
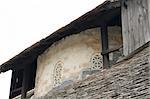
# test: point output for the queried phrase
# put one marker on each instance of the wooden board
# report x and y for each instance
(135, 24)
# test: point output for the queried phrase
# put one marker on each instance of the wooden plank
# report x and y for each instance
(148, 33)
(135, 24)
(124, 27)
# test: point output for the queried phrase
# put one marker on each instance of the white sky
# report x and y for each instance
(24, 22)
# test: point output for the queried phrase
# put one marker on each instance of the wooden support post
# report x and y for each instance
(13, 77)
(105, 46)
(25, 82)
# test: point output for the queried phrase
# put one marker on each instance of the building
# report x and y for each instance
(104, 54)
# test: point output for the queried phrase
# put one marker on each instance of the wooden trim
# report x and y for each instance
(136, 51)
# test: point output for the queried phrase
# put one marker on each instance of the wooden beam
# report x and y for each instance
(105, 46)
(25, 83)
(112, 50)
(17, 89)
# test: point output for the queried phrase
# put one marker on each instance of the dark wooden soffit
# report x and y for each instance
(94, 18)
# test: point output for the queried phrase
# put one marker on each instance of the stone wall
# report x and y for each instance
(72, 58)
(129, 79)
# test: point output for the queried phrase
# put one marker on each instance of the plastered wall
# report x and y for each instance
(66, 60)
(128, 79)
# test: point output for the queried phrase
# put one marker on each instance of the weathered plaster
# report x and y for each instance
(74, 52)
(128, 79)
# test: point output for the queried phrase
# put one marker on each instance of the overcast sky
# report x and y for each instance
(24, 22)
